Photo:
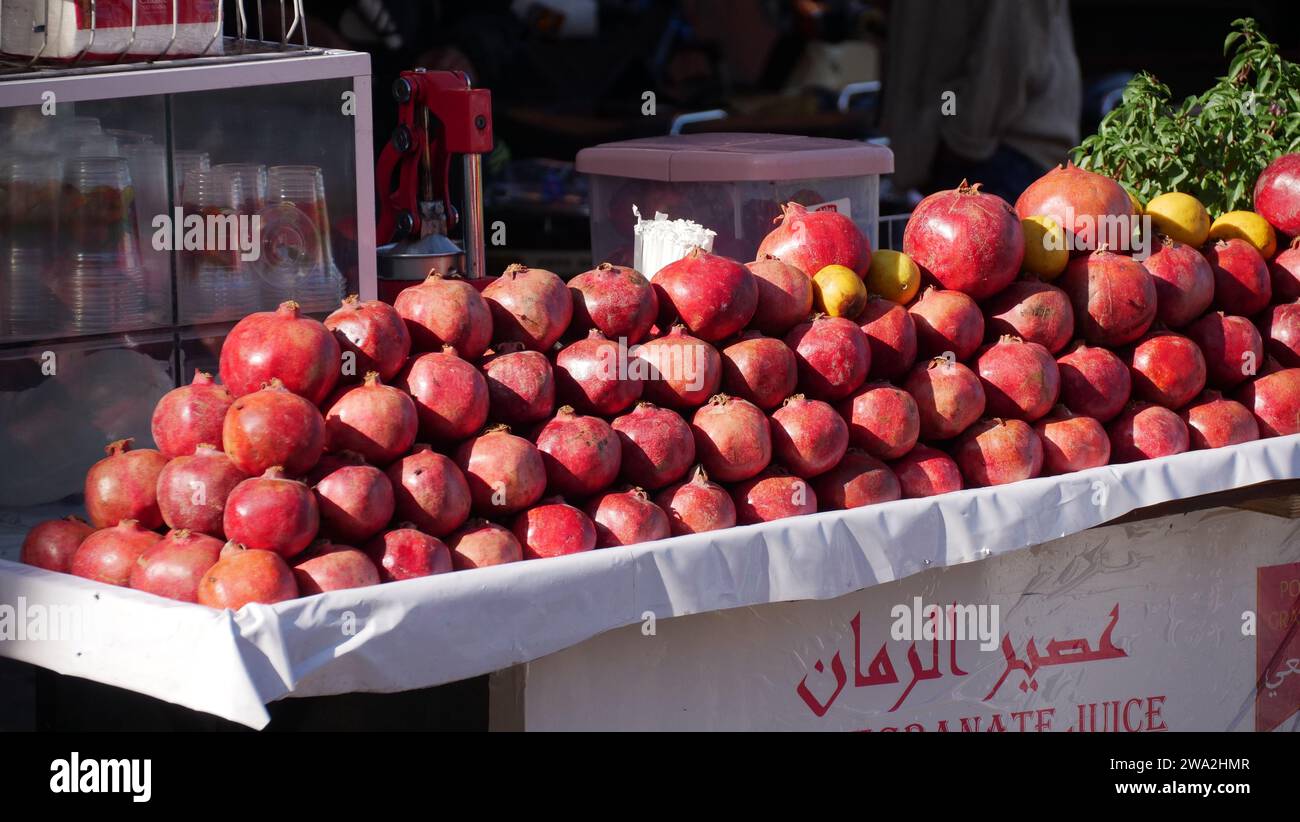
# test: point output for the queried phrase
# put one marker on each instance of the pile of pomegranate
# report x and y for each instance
(474, 424)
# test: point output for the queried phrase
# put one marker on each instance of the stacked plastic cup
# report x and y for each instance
(297, 259)
(217, 284)
(29, 197)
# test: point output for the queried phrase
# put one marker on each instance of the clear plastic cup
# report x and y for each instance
(216, 283)
(253, 179)
(299, 262)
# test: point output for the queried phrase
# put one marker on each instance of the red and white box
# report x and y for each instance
(62, 29)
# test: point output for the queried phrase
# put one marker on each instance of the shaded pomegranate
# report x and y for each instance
(860, 479)
(529, 306)
(733, 438)
(1167, 369)
(554, 529)
(1020, 379)
(51, 544)
(192, 490)
(1274, 399)
(615, 300)
(627, 518)
(407, 553)
(174, 566)
(110, 554)
(355, 502)
(1094, 382)
(124, 485)
(947, 321)
(446, 311)
(657, 446)
(505, 473)
(808, 436)
(594, 376)
(1071, 442)
(1284, 271)
(334, 568)
(785, 296)
(429, 491)
(966, 240)
(678, 370)
(833, 357)
(582, 454)
(1114, 297)
(377, 421)
(372, 336)
(1080, 202)
(273, 427)
(697, 505)
(1033, 311)
(926, 472)
(713, 296)
(773, 494)
(481, 543)
(1277, 194)
(521, 386)
(189, 415)
(272, 513)
(812, 240)
(891, 336)
(1214, 421)
(760, 369)
(1232, 346)
(1242, 284)
(995, 452)
(949, 397)
(1184, 282)
(451, 396)
(883, 420)
(1280, 328)
(282, 344)
(242, 576)
(1145, 431)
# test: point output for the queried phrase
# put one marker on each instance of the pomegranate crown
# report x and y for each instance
(352, 300)
(119, 446)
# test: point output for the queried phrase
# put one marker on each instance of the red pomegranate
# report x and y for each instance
(521, 386)
(891, 336)
(1214, 421)
(407, 553)
(174, 566)
(505, 473)
(1280, 328)
(273, 427)
(124, 485)
(1145, 431)
(966, 240)
(808, 436)
(697, 505)
(949, 397)
(377, 421)
(242, 576)
(1094, 382)
(451, 396)
(713, 296)
(773, 494)
(1284, 271)
(1033, 311)
(481, 543)
(595, 377)
(282, 344)
(733, 438)
(1114, 297)
(189, 415)
(1184, 282)
(446, 311)
(1020, 379)
(1274, 399)
(1081, 202)
(760, 369)
(582, 454)
(51, 544)
(678, 370)
(530, 306)
(110, 554)
(627, 518)
(947, 321)
(883, 420)
(785, 296)
(192, 490)
(1167, 369)
(429, 491)
(272, 513)
(355, 502)
(995, 452)
(812, 240)
(372, 337)
(554, 529)
(656, 444)
(1233, 348)
(860, 479)
(833, 356)
(615, 300)
(1071, 442)
(926, 472)
(334, 568)
(1277, 194)
(1242, 283)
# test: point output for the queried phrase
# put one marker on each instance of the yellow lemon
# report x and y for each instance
(1248, 226)
(839, 292)
(1180, 216)
(1137, 204)
(894, 276)
(1045, 251)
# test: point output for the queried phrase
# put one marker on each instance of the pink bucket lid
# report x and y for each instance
(716, 157)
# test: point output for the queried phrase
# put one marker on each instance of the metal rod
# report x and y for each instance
(171, 42)
(473, 214)
(302, 8)
(46, 42)
(121, 54)
(288, 35)
(241, 24)
(283, 39)
(221, 19)
(89, 42)
(261, 33)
